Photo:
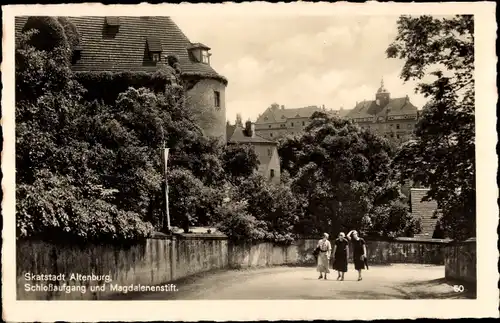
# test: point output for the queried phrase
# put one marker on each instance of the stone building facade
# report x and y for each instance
(135, 44)
(266, 150)
(394, 118)
(278, 121)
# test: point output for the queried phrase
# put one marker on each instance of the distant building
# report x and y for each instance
(141, 44)
(266, 150)
(277, 121)
(394, 118)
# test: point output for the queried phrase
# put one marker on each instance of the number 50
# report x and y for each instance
(458, 288)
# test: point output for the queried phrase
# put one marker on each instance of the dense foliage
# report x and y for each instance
(240, 160)
(59, 192)
(443, 155)
(341, 174)
(89, 160)
(107, 86)
(50, 33)
(259, 210)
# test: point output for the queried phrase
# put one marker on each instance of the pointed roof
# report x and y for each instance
(238, 136)
(382, 89)
(344, 112)
(276, 114)
(395, 107)
(229, 130)
(124, 49)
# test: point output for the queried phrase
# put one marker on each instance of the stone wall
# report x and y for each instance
(417, 251)
(153, 262)
(164, 259)
(460, 261)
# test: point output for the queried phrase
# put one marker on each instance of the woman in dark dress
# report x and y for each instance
(340, 252)
(358, 252)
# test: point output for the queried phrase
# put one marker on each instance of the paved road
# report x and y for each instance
(380, 282)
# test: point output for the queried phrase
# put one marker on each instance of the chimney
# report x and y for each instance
(282, 107)
(249, 128)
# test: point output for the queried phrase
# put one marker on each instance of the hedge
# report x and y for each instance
(106, 86)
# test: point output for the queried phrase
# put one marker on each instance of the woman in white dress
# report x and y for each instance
(325, 249)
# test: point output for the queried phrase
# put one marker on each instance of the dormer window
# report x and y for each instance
(111, 26)
(77, 54)
(205, 57)
(200, 53)
(112, 21)
(154, 48)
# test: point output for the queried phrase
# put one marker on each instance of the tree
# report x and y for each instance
(73, 156)
(238, 224)
(185, 191)
(50, 34)
(289, 150)
(443, 155)
(340, 173)
(239, 160)
(275, 206)
(59, 193)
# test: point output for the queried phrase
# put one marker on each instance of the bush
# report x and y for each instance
(70, 31)
(238, 224)
(53, 208)
(393, 220)
(107, 86)
(50, 33)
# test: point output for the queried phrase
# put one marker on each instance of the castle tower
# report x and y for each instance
(137, 44)
(383, 96)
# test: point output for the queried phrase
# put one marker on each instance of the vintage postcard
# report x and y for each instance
(251, 161)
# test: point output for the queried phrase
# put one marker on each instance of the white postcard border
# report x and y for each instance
(486, 304)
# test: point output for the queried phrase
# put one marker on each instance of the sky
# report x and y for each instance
(299, 61)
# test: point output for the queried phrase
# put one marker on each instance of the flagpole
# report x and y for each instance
(165, 173)
(165, 154)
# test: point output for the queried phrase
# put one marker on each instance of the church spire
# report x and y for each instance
(382, 96)
(382, 87)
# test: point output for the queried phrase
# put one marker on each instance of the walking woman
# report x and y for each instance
(358, 252)
(325, 249)
(340, 253)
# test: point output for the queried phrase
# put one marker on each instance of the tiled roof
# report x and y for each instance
(344, 112)
(239, 137)
(125, 49)
(425, 211)
(199, 45)
(274, 115)
(229, 131)
(154, 43)
(395, 107)
(113, 21)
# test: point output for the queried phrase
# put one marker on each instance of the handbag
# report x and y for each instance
(316, 252)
